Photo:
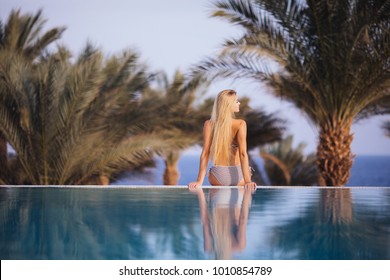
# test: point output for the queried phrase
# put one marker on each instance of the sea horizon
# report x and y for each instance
(367, 170)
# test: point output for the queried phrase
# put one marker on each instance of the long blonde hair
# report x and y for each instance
(221, 120)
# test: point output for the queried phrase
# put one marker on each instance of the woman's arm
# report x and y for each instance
(243, 220)
(204, 157)
(204, 214)
(244, 160)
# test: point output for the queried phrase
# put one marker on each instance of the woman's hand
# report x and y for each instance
(250, 186)
(194, 185)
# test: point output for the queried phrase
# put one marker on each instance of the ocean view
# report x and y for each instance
(366, 171)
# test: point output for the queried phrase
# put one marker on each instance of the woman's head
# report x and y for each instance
(225, 105)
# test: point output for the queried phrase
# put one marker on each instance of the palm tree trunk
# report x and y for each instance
(171, 173)
(104, 179)
(334, 156)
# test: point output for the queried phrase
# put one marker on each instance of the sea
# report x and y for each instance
(367, 170)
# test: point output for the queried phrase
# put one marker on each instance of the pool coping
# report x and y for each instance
(182, 187)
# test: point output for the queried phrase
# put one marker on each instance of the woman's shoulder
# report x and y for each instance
(238, 122)
(207, 125)
(207, 122)
(238, 125)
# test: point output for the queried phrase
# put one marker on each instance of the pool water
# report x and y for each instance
(174, 223)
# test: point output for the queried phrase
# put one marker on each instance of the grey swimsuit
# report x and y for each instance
(227, 175)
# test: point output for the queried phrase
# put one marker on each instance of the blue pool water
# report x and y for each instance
(173, 223)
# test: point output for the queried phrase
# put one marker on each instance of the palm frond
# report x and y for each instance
(320, 47)
(263, 128)
(239, 12)
(23, 34)
(286, 165)
(74, 121)
(234, 65)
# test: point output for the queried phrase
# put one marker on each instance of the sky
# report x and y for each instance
(177, 34)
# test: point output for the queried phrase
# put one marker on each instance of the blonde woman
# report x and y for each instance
(224, 139)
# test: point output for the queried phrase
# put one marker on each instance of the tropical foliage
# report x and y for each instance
(72, 122)
(176, 105)
(331, 59)
(286, 166)
(22, 34)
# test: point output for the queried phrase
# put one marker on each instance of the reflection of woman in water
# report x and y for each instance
(224, 221)
(225, 139)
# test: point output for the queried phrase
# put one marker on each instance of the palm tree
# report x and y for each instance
(286, 166)
(176, 106)
(70, 123)
(22, 34)
(331, 58)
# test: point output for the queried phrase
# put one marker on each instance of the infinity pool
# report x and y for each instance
(174, 223)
